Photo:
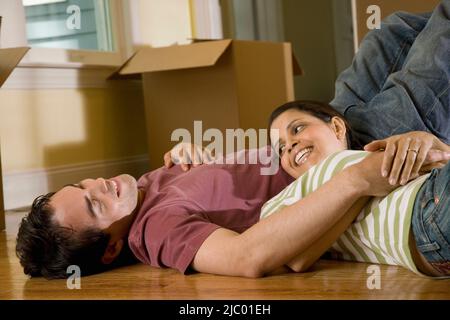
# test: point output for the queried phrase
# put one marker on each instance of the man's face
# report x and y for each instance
(95, 203)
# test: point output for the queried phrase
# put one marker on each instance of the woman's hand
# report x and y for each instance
(367, 177)
(187, 155)
(407, 155)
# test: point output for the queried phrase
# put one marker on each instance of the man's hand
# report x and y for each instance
(187, 155)
(367, 175)
(407, 155)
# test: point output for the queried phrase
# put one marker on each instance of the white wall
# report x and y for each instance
(13, 32)
(160, 22)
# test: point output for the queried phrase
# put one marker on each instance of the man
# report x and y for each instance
(204, 220)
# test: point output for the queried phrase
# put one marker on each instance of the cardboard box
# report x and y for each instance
(387, 7)
(224, 83)
(9, 58)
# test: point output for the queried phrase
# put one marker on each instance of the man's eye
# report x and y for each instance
(96, 204)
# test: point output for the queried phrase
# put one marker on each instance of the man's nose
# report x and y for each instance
(98, 184)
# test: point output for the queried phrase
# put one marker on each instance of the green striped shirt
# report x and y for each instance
(380, 233)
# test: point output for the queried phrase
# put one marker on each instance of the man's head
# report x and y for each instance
(84, 224)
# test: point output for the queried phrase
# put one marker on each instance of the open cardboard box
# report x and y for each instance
(224, 83)
(9, 58)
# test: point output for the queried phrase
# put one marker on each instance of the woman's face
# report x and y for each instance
(305, 140)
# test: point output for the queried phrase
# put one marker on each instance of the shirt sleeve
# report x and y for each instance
(173, 236)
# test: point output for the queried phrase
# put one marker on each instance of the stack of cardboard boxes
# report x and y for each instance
(225, 84)
(9, 58)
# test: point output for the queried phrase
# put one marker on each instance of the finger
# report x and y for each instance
(187, 157)
(167, 160)
(420, 160)
(207, 156)
(196, 156)
(410, 161)
(176, 154)
(399, 159)
(375, 145)
(185, 167)
(428, 167)
(436, 156)
(389, 154)
(197, 159)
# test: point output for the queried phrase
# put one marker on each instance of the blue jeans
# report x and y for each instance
(399, 80)
(431, 219)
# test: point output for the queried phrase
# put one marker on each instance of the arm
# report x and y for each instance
(401, 164)
(433, 153)
(305, 260)
(275, 241)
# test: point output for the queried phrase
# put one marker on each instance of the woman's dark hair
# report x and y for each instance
(46, 249)
(317, 109)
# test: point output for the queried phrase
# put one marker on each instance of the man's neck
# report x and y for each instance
(128, 220)
(140, 200)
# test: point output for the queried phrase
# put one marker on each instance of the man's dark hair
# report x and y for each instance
(320, 110)
(47, 249)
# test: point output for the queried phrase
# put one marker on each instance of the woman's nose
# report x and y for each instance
(291, 146)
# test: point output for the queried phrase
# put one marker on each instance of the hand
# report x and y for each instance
(187, 155)
(410, 154)
(367, 176)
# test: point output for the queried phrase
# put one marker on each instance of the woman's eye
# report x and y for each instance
(297, 129)
(281, 149)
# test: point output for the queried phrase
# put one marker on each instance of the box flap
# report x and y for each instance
(297, 70)
(201, 54)
(9, 58)
(117, 76)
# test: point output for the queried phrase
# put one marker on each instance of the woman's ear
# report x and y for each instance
(112, 251)
(339, 128)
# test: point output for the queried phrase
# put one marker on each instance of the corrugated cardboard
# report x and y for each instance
(224, 83)
(9, 58)
(387, 7)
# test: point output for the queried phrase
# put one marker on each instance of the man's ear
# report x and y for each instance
(112, 251)
(339, 128)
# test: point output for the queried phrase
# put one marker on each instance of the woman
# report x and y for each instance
(312, 143)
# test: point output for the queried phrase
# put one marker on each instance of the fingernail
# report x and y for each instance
(392, 181)
(403, 182)
(384, 173)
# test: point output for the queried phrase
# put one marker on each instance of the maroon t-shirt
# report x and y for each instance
(181, 209)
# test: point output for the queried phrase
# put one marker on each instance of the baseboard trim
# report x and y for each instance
(22, 187)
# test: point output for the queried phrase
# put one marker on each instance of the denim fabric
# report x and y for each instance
(431, 219)
(400, 78)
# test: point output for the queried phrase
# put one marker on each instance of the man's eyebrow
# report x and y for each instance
(88, 201)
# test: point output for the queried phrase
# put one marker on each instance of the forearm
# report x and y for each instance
(308, 257)
(278, 239)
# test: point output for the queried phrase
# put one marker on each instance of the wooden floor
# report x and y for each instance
(327, 280)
